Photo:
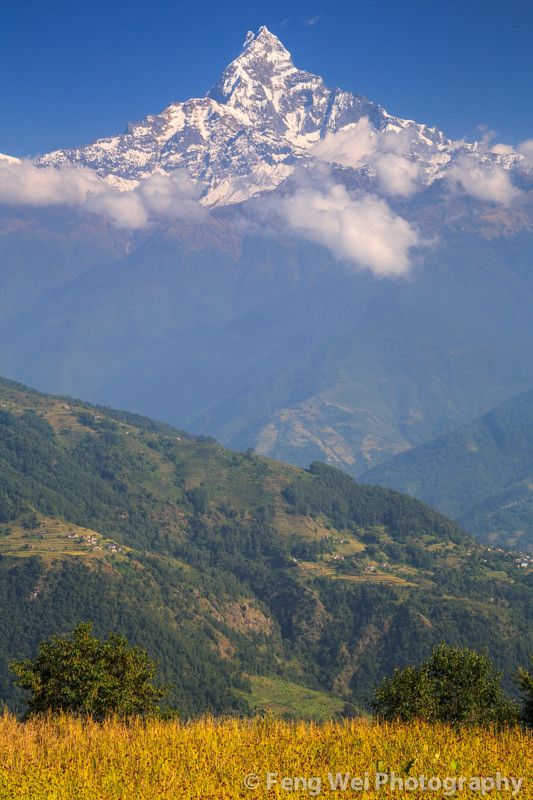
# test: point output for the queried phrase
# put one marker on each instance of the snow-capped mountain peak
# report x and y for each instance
(259, 73)
(264, 45)
(248, 133)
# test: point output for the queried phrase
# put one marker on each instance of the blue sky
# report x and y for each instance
(73, 71)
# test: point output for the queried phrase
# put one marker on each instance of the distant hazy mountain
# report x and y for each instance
(267, 342)
(481, 474)
(235, 325)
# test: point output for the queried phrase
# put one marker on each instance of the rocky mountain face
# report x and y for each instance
(262, 118)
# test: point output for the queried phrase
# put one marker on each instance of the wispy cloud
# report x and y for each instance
(312, 21)
(158, 197)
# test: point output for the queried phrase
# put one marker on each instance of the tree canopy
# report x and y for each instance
(87, 676)
(525, 679)
(454, 685)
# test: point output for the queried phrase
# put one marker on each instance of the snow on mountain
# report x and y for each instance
(252, 128)
(9, 159)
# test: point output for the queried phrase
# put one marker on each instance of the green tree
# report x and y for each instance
(30, 521)
(197, 497)
(525, 680)
(84, 675)
(454, 685)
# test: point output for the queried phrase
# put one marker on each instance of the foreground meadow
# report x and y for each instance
(69, 759)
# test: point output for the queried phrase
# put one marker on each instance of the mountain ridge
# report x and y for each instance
(257, 123)
(480, 474)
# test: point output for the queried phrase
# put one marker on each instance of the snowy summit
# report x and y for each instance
(262, 118)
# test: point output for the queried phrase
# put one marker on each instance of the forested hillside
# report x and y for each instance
(480, 474)
(234, 571)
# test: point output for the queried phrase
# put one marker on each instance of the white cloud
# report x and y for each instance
(487, 137)
(170, 195)
(502, 149)
(397, 175)
(159, 196)
(526, 149)
(484, 181)
(359, 144)
(361, 230)
(352, 146)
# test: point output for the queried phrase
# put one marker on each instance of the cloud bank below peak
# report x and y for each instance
(389, 155)
(159, 197)
(359, 144)
(486, 182)
(359, 229)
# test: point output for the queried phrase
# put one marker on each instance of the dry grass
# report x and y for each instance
(66, 759)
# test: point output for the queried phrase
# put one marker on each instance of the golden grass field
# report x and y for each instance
(69, 759)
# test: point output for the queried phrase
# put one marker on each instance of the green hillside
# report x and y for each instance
(241, 575)
(480, 474)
